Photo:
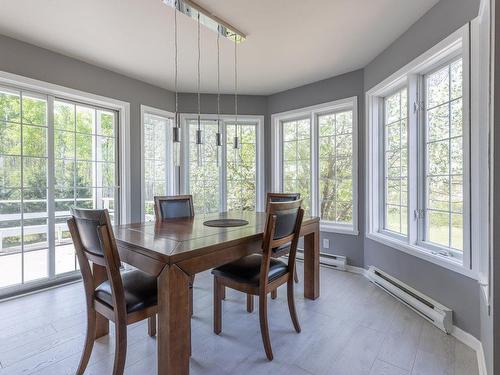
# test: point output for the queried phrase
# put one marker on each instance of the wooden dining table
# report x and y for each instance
(176, 250)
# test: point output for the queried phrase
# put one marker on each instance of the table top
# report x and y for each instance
(179, 238)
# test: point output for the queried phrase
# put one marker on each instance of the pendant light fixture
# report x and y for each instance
(176, 131)
(218, 136)
(236, 143)
(199, 140)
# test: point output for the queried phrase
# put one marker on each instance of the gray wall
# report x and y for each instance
(340, 87)
(247, 104)
(450, 288)
(439, 22)
(38, 63)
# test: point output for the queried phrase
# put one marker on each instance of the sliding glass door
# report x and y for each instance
(54, 154)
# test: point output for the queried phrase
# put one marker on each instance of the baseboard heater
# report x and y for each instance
(439, 315)
(335, 261)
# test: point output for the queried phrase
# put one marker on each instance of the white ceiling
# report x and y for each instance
(290, 42)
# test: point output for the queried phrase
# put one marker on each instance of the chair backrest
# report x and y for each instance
(281, 197)
(283, 223)
(94, 242)
(173, 207)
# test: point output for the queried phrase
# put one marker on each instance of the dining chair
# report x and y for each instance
(173, 207)
(124, 298)
(283, 197)
(176, 207)
(260, 274)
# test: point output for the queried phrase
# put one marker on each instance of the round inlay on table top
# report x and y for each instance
(225, 223)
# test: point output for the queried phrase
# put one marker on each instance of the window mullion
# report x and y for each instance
(50, 187)
(223, 167)
(415, 180)
(314, 165)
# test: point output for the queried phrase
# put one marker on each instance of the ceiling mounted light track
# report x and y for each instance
(210, 20)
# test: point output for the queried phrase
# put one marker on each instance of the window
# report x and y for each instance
(418, 157)
(335, 167)
(315, 154)
(224, 179)
(204, 174)
(54, 154)
(158, 167)
(396, 162)
(241, 167)
(296, 176)
(444, 154)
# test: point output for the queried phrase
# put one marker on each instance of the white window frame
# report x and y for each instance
(456, 43)
(242, 119)
(172, 180)
(312, 114)
(123, 162)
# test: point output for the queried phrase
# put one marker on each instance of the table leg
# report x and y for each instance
(174, 322)
(311, 264)
(102, 323)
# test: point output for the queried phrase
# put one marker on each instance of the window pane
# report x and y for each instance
(241, 175)
(156, 150)
(396, 162)
(34, 110)
(10, 106)
(297, 159)
(444, 156)
(203, 170)
(10, 138)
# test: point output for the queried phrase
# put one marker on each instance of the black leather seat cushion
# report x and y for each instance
(140, 291)
(247, 269)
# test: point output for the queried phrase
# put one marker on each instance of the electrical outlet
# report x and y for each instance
(326, 243)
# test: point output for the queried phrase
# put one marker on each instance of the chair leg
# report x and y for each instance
(274, 294)
(120, 347)
(264, 326)
(89, 342)
(223, 292)
(296, 275)
(291, 306)
(152, 326)
(249, 303)
(217, 306)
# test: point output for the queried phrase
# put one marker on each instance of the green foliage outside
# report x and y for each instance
(84, 159)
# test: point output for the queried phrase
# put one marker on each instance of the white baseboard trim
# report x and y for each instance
(462, 336)
(474, 344)
(356, 270)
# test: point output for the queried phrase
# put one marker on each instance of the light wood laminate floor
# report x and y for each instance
(354, 328)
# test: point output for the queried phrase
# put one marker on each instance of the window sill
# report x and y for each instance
(330, 227)
(422, 253)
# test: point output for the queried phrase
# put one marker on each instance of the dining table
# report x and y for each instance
(175, 250)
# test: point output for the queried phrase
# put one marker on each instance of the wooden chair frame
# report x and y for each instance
(118, 313)
(265, 287)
